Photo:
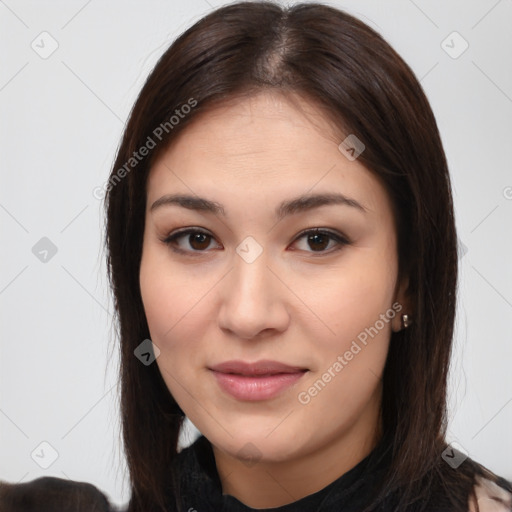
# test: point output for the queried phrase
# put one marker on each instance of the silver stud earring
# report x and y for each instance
(406, 321)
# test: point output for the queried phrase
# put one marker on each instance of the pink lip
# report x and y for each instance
(261, 380)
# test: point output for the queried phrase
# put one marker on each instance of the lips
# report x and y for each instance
(264, 367)
(261, 380)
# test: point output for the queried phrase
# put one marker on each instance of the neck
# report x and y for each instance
(270, 484)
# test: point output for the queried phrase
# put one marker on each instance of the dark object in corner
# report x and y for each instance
(51, 494)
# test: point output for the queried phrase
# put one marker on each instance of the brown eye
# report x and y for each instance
(319, 241)
(189, 241)
(199, 241)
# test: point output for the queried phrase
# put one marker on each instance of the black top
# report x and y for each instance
(201, 491)
(347, 493)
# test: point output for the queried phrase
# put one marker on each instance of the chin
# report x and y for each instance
(258, 446)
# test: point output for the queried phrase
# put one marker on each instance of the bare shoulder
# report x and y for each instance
(491, 497)
(52, 494)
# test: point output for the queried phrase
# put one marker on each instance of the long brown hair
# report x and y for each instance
(338, 62)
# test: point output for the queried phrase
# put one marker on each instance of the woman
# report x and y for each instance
(280, 226)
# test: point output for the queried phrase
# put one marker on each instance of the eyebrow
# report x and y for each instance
(288, 207)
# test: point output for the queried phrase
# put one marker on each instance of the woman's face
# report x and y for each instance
(250, 284)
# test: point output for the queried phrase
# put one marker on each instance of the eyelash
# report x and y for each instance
(337, 237)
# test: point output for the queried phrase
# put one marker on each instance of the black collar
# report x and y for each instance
(201, 489)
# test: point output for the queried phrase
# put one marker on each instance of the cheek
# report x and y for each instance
(356, 304)
(350, 359)
(169, 316)
(176, 308)
(352, 297)
(165, 295)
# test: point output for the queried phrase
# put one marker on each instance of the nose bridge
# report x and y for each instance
(249, 283)
(251, 300)
(250, 273)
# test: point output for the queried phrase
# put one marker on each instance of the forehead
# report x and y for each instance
(267, 123)
(262, 146)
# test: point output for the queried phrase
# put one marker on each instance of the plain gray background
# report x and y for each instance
(62, 116)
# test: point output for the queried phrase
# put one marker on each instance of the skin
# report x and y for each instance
(295, 303)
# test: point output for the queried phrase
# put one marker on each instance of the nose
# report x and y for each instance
(253, 300)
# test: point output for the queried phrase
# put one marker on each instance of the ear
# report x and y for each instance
(404, 304)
